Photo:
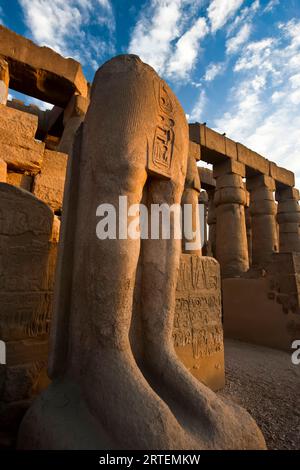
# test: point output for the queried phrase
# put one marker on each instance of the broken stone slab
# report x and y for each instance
(77, 106)
(18, 122)
(20, 179)
(49, 183)
(4, 81)
(39, 71)
(3, 171)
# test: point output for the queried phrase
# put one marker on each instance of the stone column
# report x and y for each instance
(263, 216)
(4, 81)
(211, 221)
(288, 218)
(231, 236)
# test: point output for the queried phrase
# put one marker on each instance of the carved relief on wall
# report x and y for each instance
(27, 260)
(198, 306)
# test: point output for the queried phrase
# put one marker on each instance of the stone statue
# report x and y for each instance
(104, 394)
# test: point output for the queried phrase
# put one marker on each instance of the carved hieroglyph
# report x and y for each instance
(104, 395)
(198, 332)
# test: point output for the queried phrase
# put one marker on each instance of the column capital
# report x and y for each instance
(260, 181)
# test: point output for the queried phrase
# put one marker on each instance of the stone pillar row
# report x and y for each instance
(243, 219)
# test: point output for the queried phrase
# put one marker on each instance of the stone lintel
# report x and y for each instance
(252, 159)
(206, 178)
(39, 71)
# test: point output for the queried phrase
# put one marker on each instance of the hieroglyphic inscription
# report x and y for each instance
(198, 306)
(26, 264)
(164, 135)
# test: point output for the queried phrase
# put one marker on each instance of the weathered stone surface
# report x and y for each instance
(26, 274)
(281, 175)
(39, 71)
(287, 193)
(96, 285)
(17, 123)
(4, 80)
(3, 171)
(198, 332)
(20, 179)
(252, 159)
(77, 106)
(49, 183)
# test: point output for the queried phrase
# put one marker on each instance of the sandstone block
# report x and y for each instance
(17, 122)
(281, 175)
(252, 159)
(290, 205)
(194, 150)
(4, 81)
(23, 158)
(230, 196)
(77, 106)
(20, 179)
(215, 141)
(287, 193)
(229, 166)
(231, 180)
(49, 183)
(260, 181)
(197, 133)
(230, 148)
(206, 178)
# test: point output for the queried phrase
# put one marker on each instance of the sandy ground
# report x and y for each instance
(267, 384)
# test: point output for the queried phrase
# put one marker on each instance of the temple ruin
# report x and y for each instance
(244, 283)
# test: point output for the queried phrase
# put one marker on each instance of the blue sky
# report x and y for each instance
(234, 64)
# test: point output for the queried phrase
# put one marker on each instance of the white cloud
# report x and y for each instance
(198, 109)
(271, 5)
(187, 49)
(220, 11)
(63, 26)
(212, 71)
(245, 16)
(167, 36)
(233, 44)
(264, 111)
